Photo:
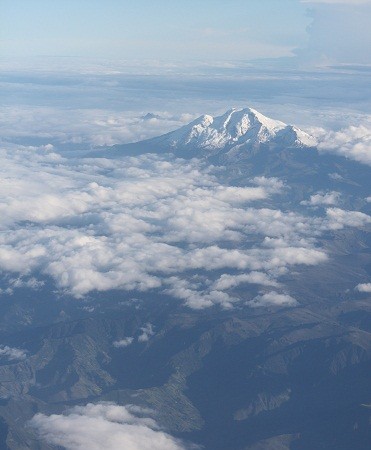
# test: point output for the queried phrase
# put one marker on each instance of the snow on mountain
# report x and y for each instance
(230, 137)
(236, 129)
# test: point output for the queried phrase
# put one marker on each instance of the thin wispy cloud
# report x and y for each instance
(123, 343)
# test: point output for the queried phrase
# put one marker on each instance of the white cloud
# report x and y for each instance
(364, 287)
(319, 199)
(11, 353)
(197, 298)
(148, 223)
(31, 283)
(94, 127)
(272, 185)
(104, 426)
(122, 343)
(353, 142)
(231, 281)
(147, 333)
(335, 176)
(338, 219)
(272, 298)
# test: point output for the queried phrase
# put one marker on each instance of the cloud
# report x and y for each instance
(271, 185)
(353, 142)
(104, 426)
(84, 127)
(272, 298)
(335, 176)
(149, 223)
(13, 354)
(338, 219)
(122, 343)
(196, 297)
(21, 282)
(339, 32)
(147, 333)
(232, 281)
(31, 283)
(364, 287)
(320, 199)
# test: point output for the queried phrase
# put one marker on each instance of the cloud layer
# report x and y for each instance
(149, 223)
(88, 127)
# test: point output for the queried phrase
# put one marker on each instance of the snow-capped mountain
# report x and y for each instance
(232, 136)
(235, 129)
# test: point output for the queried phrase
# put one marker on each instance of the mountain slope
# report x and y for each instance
(234, 135)
(250, 144)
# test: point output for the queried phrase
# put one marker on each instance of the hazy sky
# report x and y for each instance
(146, 28)
(185, 30)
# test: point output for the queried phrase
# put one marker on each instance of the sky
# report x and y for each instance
(146, 29)
(316, 31)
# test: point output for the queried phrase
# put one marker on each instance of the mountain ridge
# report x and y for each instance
(234, 134)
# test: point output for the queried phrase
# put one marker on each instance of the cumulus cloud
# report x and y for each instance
(11, 353)
(319, 199)
(122, 343)
(149, 223)
(338, 219)
(197, 298)
(353, 142)
(104, 426)
(272, 185)
(339, 32)
(364, 287)
(232, 281)
(272, 298)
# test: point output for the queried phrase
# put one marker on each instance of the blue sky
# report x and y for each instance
(320, 30)
(211, 29)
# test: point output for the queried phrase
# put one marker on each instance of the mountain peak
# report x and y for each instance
(237, 128)
(232, 136)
